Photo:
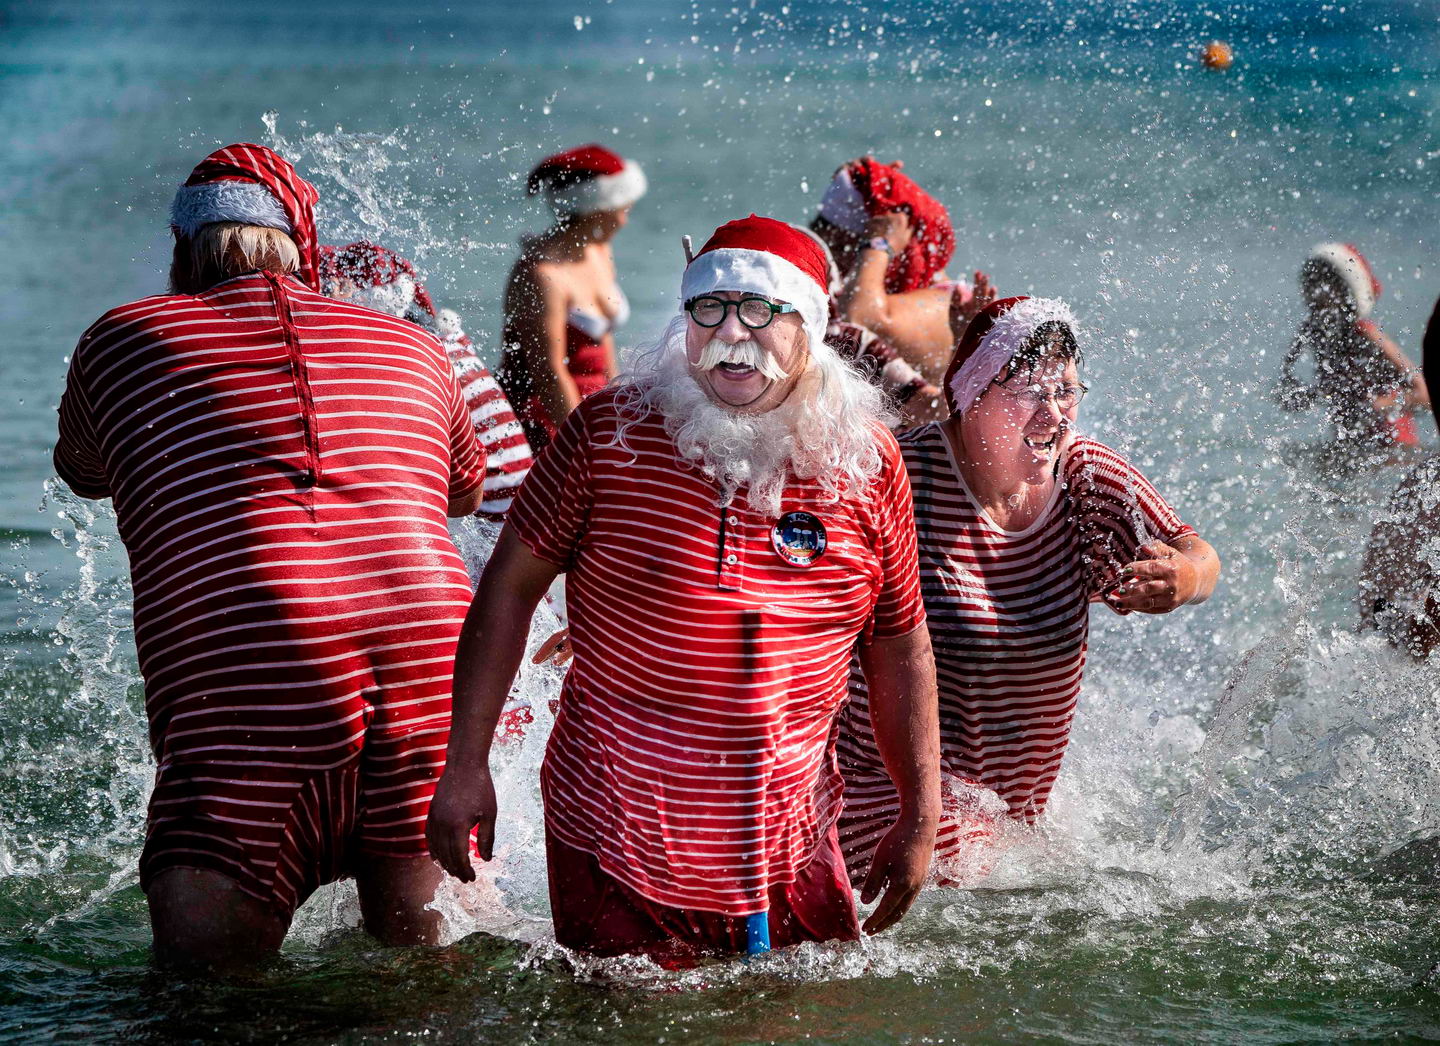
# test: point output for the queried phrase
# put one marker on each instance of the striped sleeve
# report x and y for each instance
(467, 456)
(899, 609)
(1117, 508)
(77, 452)
(552, 510)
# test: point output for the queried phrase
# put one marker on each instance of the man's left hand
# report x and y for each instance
(899, 868)
(1157, 584)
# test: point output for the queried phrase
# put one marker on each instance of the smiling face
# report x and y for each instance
(1009, 431)
(745, 370)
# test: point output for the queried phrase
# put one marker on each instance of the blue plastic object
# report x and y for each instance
(757, 933)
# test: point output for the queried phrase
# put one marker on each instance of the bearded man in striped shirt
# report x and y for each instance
(733, 517)
(281, 466)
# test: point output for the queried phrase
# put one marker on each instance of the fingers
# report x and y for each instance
(874, 880)
(893, 906)
(450, 846)
(1153, 596)
(556, 649)
(484, 842)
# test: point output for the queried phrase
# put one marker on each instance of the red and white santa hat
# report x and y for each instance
(1354, 271)
(588, 179)
(379, 278)
(770, 258)
(991, 341)
(256, 186)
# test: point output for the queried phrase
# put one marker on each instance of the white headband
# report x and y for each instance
(1010, 331)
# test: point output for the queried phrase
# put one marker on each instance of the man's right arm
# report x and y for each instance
(492, 642)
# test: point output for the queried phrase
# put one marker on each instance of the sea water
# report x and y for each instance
(1243, 842)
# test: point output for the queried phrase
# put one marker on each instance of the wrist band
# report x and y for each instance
(879, 243)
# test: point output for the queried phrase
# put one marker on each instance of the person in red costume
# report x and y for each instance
(1022, 525)
(281, 466)
(892, 240)
(377, 277)
(562, 302)
(1368, 385)
(732, 519)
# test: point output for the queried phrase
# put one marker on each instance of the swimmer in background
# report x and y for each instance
(1369, 386)
(910, 395)
(1400, 584)
(376, 277)
(562, 302)
(1022, 525)
(891, 241)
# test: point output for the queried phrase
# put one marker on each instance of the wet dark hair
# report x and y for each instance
(1052, 340)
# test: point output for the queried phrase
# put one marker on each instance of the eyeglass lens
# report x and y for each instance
(753, 312)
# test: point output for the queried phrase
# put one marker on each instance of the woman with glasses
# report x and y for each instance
(562, 303)
(1022, 524)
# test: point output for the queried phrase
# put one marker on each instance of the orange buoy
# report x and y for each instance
(1217, 55)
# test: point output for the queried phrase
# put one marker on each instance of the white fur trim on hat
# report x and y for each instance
(843, 205)
(604, 192)
(763, 273)
(1011, 329)
(226, 201)
(1353, 271)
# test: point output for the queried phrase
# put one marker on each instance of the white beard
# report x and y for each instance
(824, 430)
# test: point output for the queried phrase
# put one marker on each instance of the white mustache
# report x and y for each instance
(744, 353)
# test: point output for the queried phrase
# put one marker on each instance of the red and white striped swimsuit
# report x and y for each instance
(280, 464)
(507, 452)
(692, 753)
(1009, 618)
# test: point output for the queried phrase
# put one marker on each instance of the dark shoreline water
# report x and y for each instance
(1242, 844)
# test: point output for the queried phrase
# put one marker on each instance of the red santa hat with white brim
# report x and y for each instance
(253, 185)
(1354, 271)
(772, 259)
(991, 341)
(586, 180)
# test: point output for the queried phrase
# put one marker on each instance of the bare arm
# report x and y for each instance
(1415, 392)
(905, 712)
(467, 505)
(535, 308)
(492, 642)
(1290, 392)
(916, 323)
(1430, 351)
(1167, 577)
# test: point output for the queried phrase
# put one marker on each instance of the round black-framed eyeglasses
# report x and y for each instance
(756, 313)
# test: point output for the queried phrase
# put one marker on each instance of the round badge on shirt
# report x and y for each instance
(799, 538)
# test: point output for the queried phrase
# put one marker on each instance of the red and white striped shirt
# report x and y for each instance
(280, 464)
(507, 452)
(692, 751)
(1009, 618)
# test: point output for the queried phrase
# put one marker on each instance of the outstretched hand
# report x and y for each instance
(899, 868)
(963, 309)
(463, 801)
(1156, 584)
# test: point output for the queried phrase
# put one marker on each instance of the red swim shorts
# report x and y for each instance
(595, 913)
